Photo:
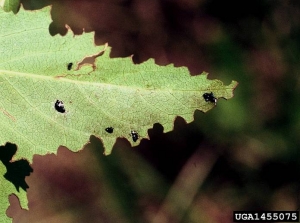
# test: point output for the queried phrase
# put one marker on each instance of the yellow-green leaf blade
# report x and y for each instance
(34, 74)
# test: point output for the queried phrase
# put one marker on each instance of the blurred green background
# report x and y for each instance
(241, 155)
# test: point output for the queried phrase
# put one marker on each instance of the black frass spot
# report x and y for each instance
(209, 97)
(59, 106)
(134, 135)
(109, 129)
(69, 66)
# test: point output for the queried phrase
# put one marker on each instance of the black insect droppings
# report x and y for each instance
(70, 66)
(134, 135)
(109, 129)
(209, 97)
(59, 106)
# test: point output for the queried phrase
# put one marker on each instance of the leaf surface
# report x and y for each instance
(110, 92)
(37, 69)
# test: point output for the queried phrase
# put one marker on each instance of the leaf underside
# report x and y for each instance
(113, 92)
(97, 91)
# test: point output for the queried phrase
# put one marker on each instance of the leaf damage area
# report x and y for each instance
(86, 61)
(17, 170)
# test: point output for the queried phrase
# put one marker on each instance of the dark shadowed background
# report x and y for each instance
(242, 155)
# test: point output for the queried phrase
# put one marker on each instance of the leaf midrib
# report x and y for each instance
(54, 78)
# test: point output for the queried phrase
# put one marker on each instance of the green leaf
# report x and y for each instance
(118, 93)
(110, 92)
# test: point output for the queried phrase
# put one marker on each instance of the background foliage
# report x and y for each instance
(242, 155)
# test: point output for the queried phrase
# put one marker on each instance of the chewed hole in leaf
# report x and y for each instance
(91, 60)
(16, 170)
